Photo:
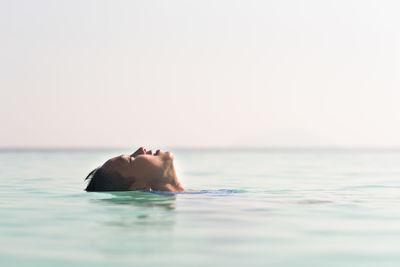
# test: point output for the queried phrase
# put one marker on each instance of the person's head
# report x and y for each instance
(143, 170)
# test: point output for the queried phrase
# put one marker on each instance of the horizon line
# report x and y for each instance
(205, 148)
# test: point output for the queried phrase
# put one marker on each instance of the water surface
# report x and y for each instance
(254, 208)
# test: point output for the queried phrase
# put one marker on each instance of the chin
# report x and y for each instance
(169, 155)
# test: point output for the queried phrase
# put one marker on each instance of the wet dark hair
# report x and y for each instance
(99, 180)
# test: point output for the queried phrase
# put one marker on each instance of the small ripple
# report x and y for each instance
(212, 192)
(371, 186)
(313, 201)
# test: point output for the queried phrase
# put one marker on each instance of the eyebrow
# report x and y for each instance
(123, 158)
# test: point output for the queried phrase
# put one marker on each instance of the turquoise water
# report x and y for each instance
(255, 208)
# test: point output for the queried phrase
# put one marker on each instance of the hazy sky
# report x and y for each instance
(199, 73)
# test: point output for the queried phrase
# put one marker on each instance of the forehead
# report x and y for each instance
(116, 163)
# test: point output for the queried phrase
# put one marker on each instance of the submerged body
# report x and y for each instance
(142, 170)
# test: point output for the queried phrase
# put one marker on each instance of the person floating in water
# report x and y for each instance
(143, 170)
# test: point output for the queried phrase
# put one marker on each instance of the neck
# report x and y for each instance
(169, 187)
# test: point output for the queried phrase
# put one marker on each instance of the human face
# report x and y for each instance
(152, 171)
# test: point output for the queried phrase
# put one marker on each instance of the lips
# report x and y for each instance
(144, 151)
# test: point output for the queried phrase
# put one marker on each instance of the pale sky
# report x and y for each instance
(200, 73)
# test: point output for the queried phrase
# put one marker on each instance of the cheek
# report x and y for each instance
(147, 166)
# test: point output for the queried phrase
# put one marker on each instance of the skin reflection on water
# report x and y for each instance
(140, 210)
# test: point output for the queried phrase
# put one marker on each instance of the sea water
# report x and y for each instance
(251, 208)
